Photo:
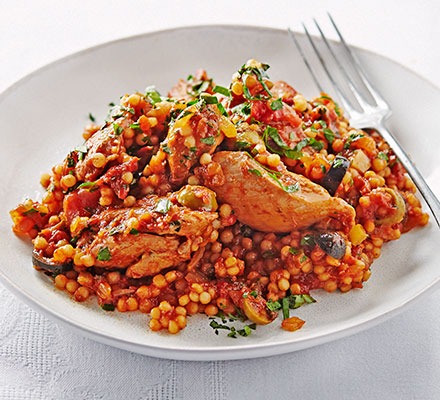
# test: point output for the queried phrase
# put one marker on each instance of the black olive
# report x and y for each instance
(49, 265)
(333, 178)
(332, 243)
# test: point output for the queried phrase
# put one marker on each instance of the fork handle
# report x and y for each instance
(413, 172)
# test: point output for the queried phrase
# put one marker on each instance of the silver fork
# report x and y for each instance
(372, 115)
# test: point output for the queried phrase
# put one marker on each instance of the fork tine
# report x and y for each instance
(345, 102)
(305, 60)
(380, 101)
(359, 97)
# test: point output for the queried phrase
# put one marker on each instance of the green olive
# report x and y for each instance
(399, 204)
(255, 310)
(250, 137)
(197, 198)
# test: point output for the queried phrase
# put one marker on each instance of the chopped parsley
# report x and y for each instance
(117, 129)
(233, 331)
(294, 153)
(259, 73)
(292, 301)
(222, 90)
(329, 134)
(108, 307)
(255, 172)
(297, 300)
(70, 162)
(243, 109)
(86, 185)
(137, 127)
(273, 305)
(210, 99)
(242, 145)
(91, 117)
(285, 307)
(276, 105)
(82, 150)
(308, 240)
(200, 87)
(74, 240)
(177, 224)
(116, 230)
(293, 251)
(338, 162)
(222, 109)
(153, 95)
(166, 149)
(104, 254)
(134, 231)
(30, 211)
(352, 138)
(383, 156)
(208, 140)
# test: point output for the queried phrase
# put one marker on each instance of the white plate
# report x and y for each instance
(42, 119)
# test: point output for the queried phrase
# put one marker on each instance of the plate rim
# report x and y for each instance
(214, 352)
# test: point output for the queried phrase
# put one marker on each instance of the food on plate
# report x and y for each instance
(234, 202)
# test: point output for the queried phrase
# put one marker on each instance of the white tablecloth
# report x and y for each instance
(399, 359)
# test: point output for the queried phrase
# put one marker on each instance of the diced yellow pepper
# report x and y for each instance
(227, 127)
(357, 234)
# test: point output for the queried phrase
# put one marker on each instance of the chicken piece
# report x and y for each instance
(156, 215)
(164, 233)
(80, 203)
(106, 141)
(144, 254)
(286, 203)
(282, 90)
(185, 90)
(195, 132)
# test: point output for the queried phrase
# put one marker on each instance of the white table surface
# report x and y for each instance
(399, 359)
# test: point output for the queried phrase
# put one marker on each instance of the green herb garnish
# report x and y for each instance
(243, 109)
(137, 127)
(383, 156)
(117, 129)
(104, 254)
(177, 224)
(208, 140)
(255, 172)
(222, 90)
(329, 135)
(273, 305)
(352, 138)
(166, 149)
(276, 105)
(108, 307)
(153, 95)
(285, 307)
(307, 240)
(91, 117)
(30, 211)
(259, 73)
